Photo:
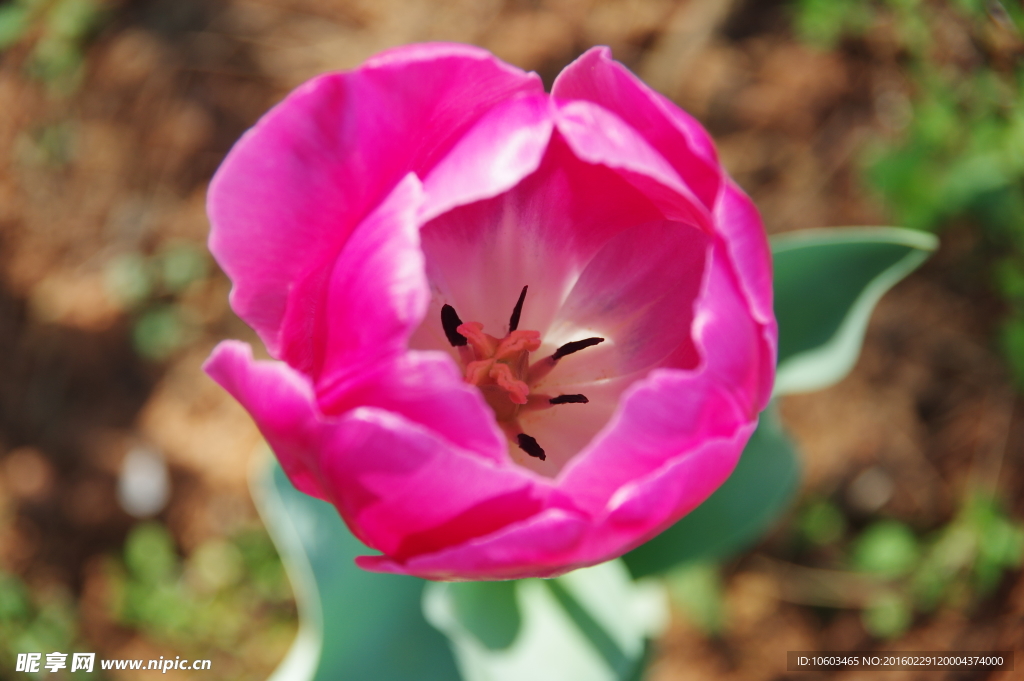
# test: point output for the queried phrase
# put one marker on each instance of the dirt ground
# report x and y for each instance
(117, 169)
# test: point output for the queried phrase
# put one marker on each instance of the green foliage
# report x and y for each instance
(57, 31)
(887, 615)
(590, 624)
(957, 565)
(970, 555)
(489, 611)
(887, 548)
(823, 22)
(822, 523)
(14, 22)
(827, 283)
(208, 599)
(152, 290)
(159, 331)
(959, 155)
(353, 624)
(43, 622)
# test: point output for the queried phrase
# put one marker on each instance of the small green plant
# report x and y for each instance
(210, 598)
(44, 622)
(57, 31)
(958, 157)
(150, 289)
(959, 563)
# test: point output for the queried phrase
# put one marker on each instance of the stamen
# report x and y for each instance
(569, 399)
(450, 322)
(513, 322)
(575, 346)
(530, 446)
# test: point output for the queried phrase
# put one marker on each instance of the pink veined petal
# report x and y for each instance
(280, 400)
(409, 492)
(646, 507)
(293, 188)
(541, 233)
(661, 418)
(672, 411)
(684, 143)
(596, 77)
(639, 293)
(541, 546)
(738, 352)
(737, 218)
(597, 135)
(504, 146)
(426, 388)
(400, 487)
(376, 294)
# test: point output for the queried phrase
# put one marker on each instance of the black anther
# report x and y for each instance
(450, 322)
(575, 346)
(530, 446)
(569, 399)
(513, 323)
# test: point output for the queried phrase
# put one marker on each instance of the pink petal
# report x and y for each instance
(639, 292)
(683, 142)
(376, 295)
(646, 507)
(541, 233)
(426, 388)
(661, 418)
(739, 352)
(504, 146)
(294, 187)
(279, 400)
(558, 540)
(737, 218)
(542, 546)
(597, 135)
(400, 487)
(410, 492)
(596, 77)
(672, 411)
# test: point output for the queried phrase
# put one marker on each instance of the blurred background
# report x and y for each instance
(126, 526)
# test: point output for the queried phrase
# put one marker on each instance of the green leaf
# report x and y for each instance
(488, 610)
(737, 513)
(827, 282)
(591, 624)
(353, 625)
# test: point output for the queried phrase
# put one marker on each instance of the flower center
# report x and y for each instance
(501, 369)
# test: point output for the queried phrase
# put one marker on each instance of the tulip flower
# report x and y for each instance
(514, 333)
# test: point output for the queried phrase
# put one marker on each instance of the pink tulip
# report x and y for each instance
(517, 333)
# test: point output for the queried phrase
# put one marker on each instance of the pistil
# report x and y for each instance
(501, 369)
